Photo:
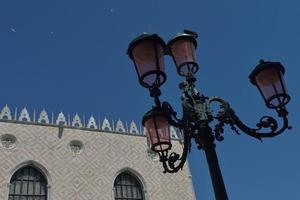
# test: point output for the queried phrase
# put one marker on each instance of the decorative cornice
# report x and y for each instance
(60, 120)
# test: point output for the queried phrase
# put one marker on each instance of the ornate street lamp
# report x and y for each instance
(182, 48)
(147, 53)
(268, 77)
(158, 130)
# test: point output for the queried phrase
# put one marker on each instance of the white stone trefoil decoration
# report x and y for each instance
(173, 132)
(76, 122)
(133, 128)
(144, 131)
(106, 125)
(24, 116)
(43, 118)
(120, 126)
(5, 113)
(92, 123)
(61, 119)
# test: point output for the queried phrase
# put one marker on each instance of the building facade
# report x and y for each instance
(54, 158)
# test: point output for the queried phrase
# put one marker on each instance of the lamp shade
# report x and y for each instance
(158, 130)
(182, 49)
(268, 77)
(147, 52)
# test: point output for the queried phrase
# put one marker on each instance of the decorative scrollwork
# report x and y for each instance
(197, 115)
(224, 107)
(267, 122)
(226, 116)
(173, 158)
(222, 117)
(219, 130)
(173, 162)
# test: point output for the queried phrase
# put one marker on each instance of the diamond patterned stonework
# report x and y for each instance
(90, 174)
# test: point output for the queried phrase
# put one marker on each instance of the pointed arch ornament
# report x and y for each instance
(29, 163)
(61, 119)
(24, 115)
(76, 122)
(120, 126)
(106, 125)
(173, 132)
(133, 128)
(43, 118)
(92, 123)
(137, 176)
(5, 113)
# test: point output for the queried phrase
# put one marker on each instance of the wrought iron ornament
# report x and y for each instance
(147, 53)
(197, 115)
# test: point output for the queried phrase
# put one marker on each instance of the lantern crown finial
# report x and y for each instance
(195, 34)
(186, 34)
(263, 65)
(144, 36)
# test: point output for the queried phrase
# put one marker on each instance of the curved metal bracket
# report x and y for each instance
(221, 117)
(264, 122)
(227, 115)
(173, 162)
(197, 115)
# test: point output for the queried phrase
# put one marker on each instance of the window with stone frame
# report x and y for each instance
(28, 183)
(128, 187)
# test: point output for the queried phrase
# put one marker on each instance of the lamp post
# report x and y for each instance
(147, 53)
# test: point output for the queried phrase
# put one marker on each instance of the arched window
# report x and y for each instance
(28, 183)
(128, 187)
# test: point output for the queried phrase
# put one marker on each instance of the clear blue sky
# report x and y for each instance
(70, 55)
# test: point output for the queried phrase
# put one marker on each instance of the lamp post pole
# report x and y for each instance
(147, 52)
(205, 140)
(214, 169)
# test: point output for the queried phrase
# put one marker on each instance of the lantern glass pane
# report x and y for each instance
(271, 83)
(149, 57)
(183, 51)
(158, 126)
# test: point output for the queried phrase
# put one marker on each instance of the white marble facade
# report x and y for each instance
(81, 163)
